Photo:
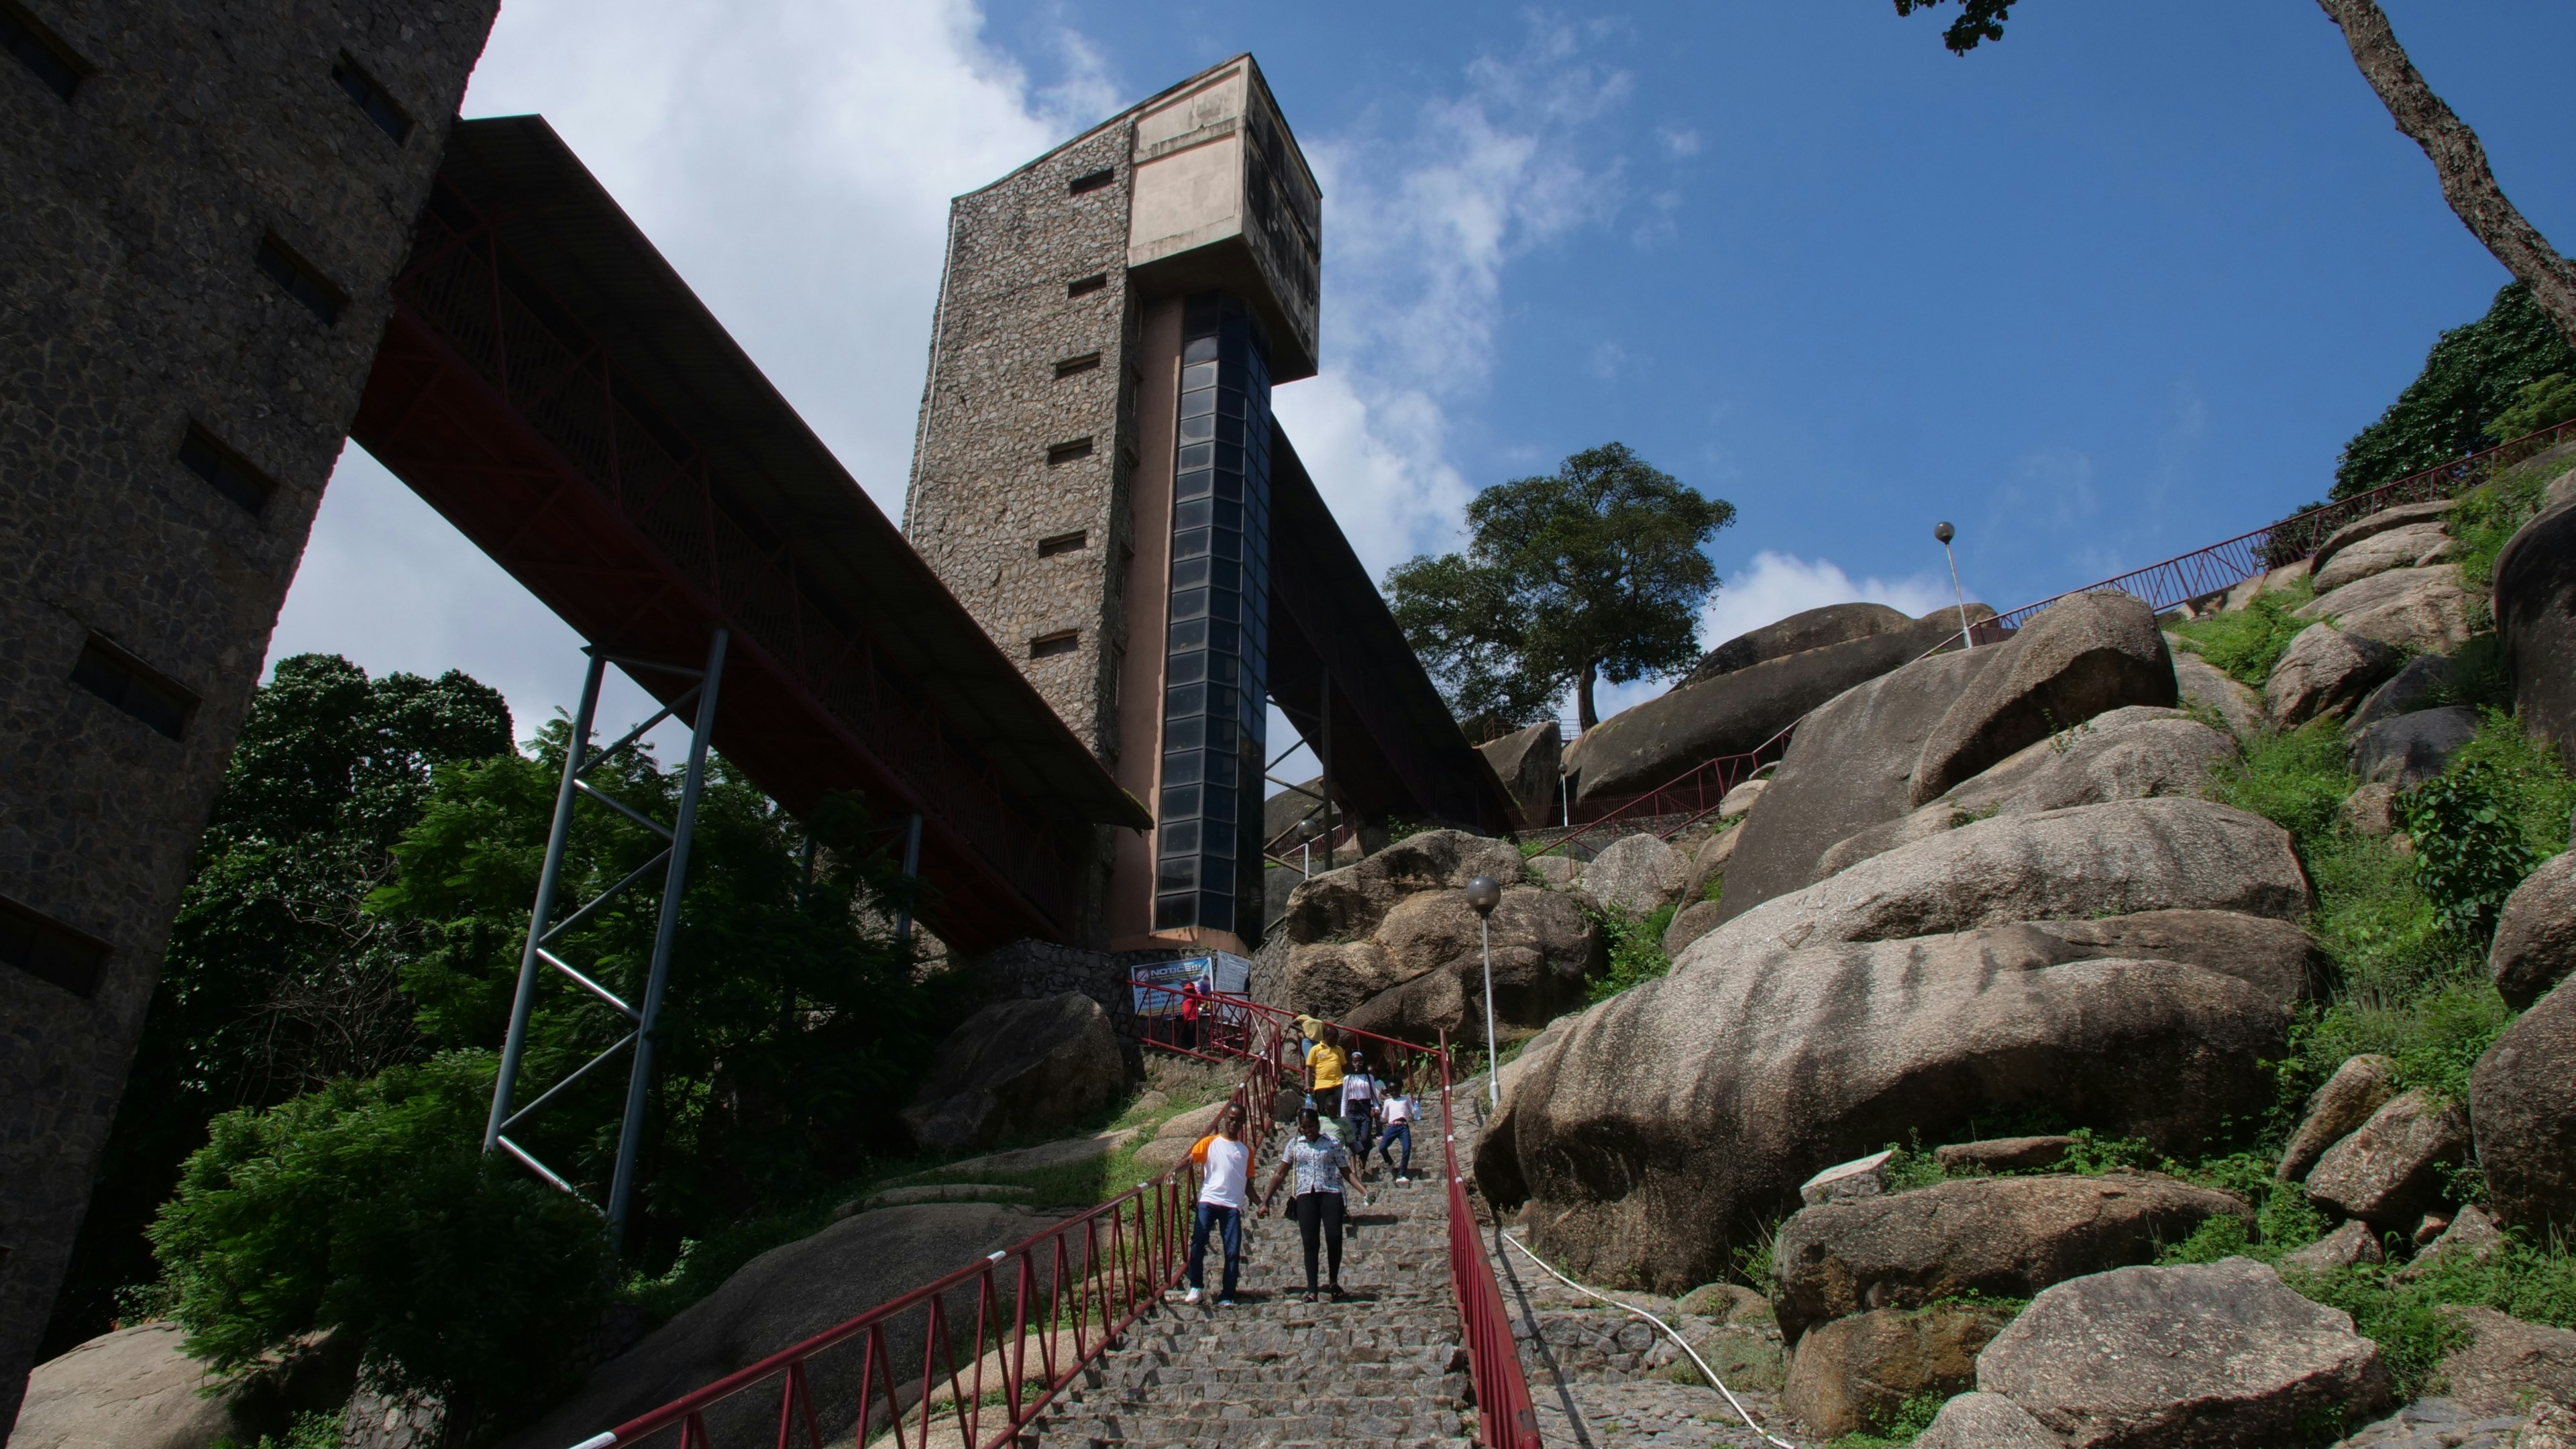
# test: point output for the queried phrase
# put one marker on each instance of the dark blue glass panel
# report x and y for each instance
(1216, 874)
(1190, 603)
(1198, 455)
(1192, 635)
(1189, 734)
(1183, 668)
(1190, 544)
(1219, 768)
(1221, 604)
(1228, 545)
(1200, 349)
(1198, 375)
(1182, 801)
(1172, 913)
(1182, 768)
(1183, 700)
(1216, 912)
(1181, 839)
(1198, 429)
(1180, 872)
(1220, 804)
(1227, 513)
(1222, 638)
(1200, 404)
(1195, 514)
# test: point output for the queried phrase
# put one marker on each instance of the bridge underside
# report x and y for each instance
(552, 388)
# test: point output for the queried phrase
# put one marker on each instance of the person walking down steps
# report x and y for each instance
(1325, 1063)
(1322, 1167)
(1359, 1110)
(1400, 1110)
(1221, 1192)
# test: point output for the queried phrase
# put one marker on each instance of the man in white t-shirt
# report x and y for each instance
(1221, 1188)
(1401, 1109)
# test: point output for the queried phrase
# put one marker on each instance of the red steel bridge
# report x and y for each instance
(550, 385)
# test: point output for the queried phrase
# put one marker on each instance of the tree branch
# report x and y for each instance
(2460, 162)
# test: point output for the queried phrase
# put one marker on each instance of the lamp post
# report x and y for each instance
(1483, 894)
(1944, 532)
(1307, 830)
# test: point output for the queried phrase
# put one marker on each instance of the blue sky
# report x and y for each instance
(2115, 288)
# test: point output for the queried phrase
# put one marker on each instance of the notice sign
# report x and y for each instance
(1158, 985)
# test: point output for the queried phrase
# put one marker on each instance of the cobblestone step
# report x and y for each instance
(1380, 1369)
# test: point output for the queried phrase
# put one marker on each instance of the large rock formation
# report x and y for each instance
(131, 1389)
(2522, 1102)
(1389, 945)
(2388, 1172)
(2326, 671)
(2000, 1237)
(2078, 658)
(2419, 610)
(2216, 1355)
(2535, 939)
(2408, 749)
(2370, 526)
(2535, 613)
(2361, 1086)
(1016, 1068)
(2204, 685)
(1528, 763)
(1346, 904)
(1731, 713)
(1637, 874)
(1792, 1060)
(1813, 629)
(1849, 767)
(1985, 1421)
(2093, 860)
(1852, 1375)
(784, 1297)
(2129, 753)
(2394, 548)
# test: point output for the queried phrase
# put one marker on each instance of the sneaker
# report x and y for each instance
(1225, 1303)
(1190, 1297)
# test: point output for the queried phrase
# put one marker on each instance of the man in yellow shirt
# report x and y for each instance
(1325, 1063)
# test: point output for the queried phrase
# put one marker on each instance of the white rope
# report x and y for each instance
(1704, 1369)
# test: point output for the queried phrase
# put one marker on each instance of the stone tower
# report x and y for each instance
(207, 202)
(1092, 472)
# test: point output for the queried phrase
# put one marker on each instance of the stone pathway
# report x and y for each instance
(1603, 1379)
(1382, 1369)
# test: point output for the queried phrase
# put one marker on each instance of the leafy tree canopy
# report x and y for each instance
(1588, 573)
(275, 980)
(2473, 387)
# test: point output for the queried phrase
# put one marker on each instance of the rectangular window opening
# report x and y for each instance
(302, 280)
(1091, 181)
(1064, 543)
(372, 98)
(1047, 646)
(1085, 286)
(1079, 448)
(41, 52)
(1074, 365)
(225, 470)
(48, 950)
(134, 687)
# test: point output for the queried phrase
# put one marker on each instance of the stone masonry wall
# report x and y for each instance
(983, 494)
(131, 304)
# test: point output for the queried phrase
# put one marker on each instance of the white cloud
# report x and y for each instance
(1422, 219)
(1679, 141)
(1771, 588)
(793, 159)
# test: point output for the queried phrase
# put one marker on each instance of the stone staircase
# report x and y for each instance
(1380, 1370)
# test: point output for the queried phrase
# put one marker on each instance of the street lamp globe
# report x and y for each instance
(1943, 531)
(1484, 893)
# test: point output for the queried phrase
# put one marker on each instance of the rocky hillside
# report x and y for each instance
(2149, 1032)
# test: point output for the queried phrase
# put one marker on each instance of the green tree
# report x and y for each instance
(275, 979)
(2459, 158)
(2492, 375)
(1589, 573)
(792, 1027)
(367, 1209)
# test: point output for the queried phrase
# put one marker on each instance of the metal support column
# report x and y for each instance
(546, 935)
(1325, 755)
(911, 870)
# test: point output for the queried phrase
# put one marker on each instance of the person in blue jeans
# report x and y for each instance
(1221, 1200)
(1399, 1114)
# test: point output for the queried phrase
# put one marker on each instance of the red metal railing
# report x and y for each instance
(1041, 1309)
(1046, 1306)
(2223, 565)
(1684, 801)
(1505, 1418)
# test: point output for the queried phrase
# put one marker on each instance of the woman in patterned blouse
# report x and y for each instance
(1322, 1166)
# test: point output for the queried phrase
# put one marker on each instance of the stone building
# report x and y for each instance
(207, 202)
(1093, 472)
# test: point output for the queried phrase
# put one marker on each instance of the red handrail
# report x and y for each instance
(1072, 1289)
(1505, 1418)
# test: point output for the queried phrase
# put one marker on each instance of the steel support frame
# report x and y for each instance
(572, 398)
(544, 931)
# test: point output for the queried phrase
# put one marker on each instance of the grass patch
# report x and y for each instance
(1636, 951)
(2485, 517)
(1899, 1428)
(2247, 642)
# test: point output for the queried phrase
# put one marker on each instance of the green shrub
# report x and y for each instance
(369, 1208)
(1900, 1428)
(2297, 780)
(2470, 851)
(2539, 404)
(2484, 517)
(2247, 642)
(1636, 951)
(2535, 1284)
(2529, 783)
